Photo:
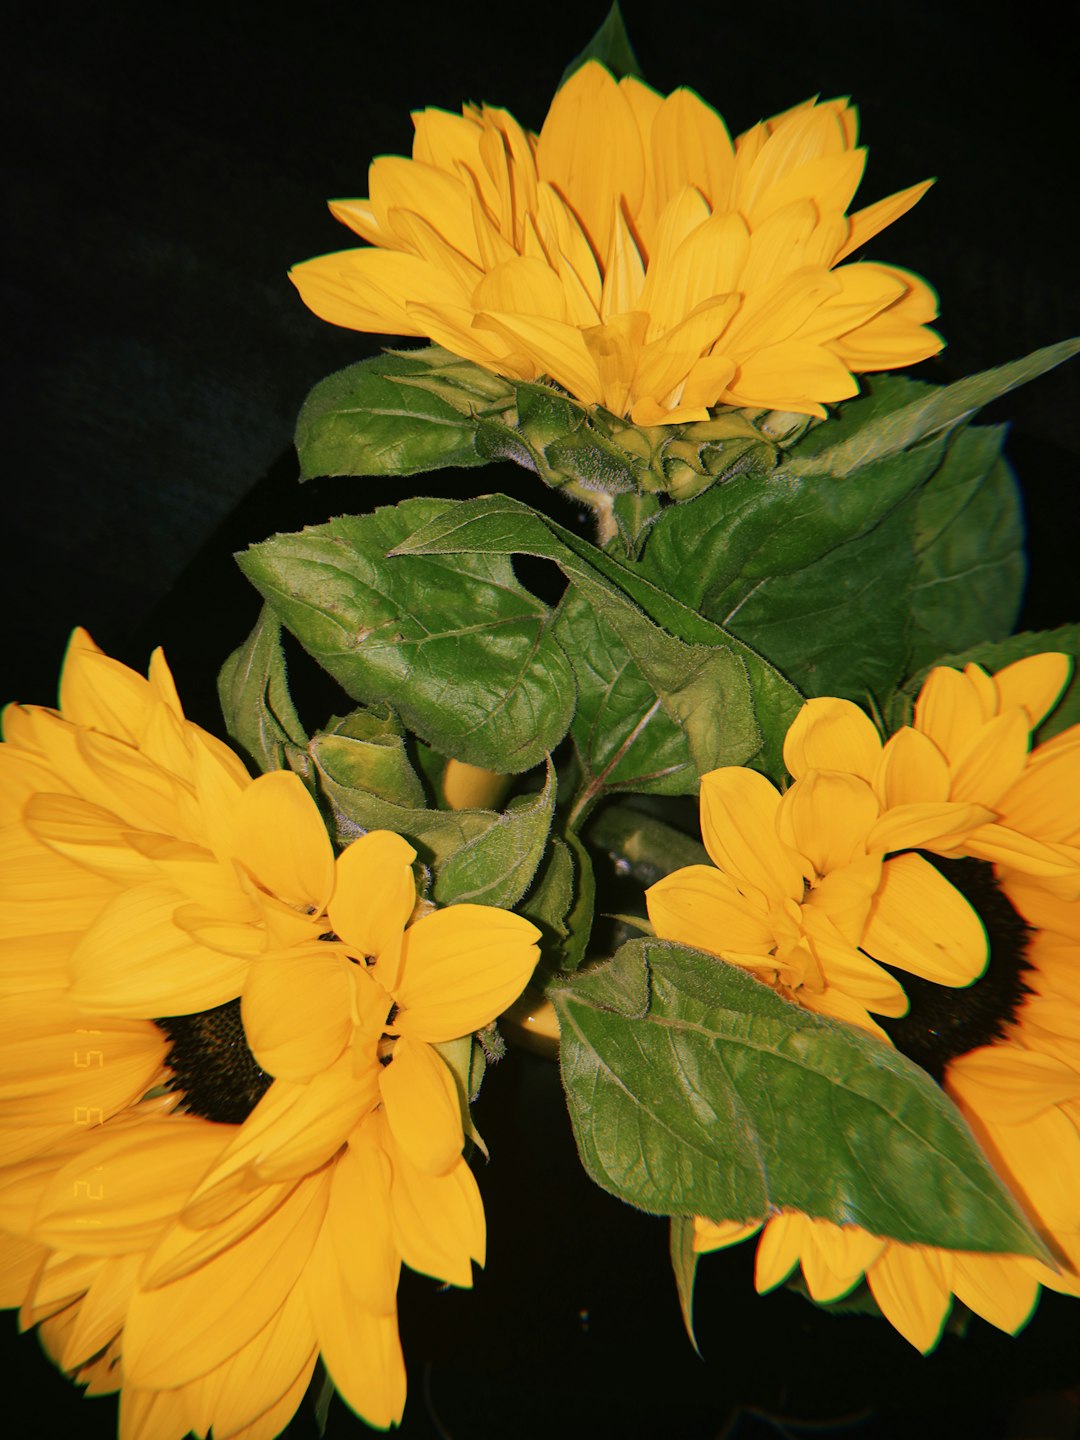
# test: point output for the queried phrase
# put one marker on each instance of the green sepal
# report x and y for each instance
(253, 690)
(611, 46)
(561, 902)
(367, 751)
(684, 1263)
(786, 1110)
(456, 645)
(497, 867)
(460, 1056)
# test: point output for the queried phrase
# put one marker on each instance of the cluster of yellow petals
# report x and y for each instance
(201, 1267)
(963, 780)
(633, 253)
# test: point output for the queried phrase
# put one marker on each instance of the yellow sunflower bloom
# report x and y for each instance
(803, 897)
(633, 254)
(227, 1121)
(1007, 1049)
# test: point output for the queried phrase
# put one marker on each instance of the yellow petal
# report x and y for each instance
(422, 1106)
(460, 967)
(778, 1251)
(438, 1220)
(361, 1351)
(254, 1393)
(993, 760)
(293, 1130)
(134, 960)
(115, 1196)
(702, 907)
(1010, 1084)
(738, 825)
(835, 1257)
(281, 840)
(910, 1285)
(359, 1224)
(590, 150)
(941, 825)
(99, 692)
(101, 1311)
(719, 1234)
(1035, 682)
(374, 895)
(912, 771)
(872, 219)
(948, 710)
(296, 1011)
(832, 735)
(88, 835)
(997, 1287)
(179, 1331)
(826, 817)
(690, 146)
(920, 923)
(1041, 803)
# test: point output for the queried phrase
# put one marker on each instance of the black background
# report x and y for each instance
(166, 166)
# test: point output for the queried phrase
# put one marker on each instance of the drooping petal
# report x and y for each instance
(438, 1219)
(361, 1350)
(997, 1287)
(701, 907)
(422, 1106)
(296, 1010)
(910, 1285)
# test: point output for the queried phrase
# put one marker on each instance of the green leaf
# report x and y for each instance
(462, 652)
(694, 1089)
(497, 866)
(716, 689)
(684, 1262)
(937, 410)
(611, 46)
(253, 688)
(397, 414)
(713, 552)
(969, 549)
(561, 902)
(840, 626)
(624, 738)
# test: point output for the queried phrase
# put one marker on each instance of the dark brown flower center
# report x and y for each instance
(209, 1057)
(944, 1023)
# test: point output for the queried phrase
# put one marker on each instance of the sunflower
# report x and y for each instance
(1006, 1048)
(228, 1121)
(633, 253)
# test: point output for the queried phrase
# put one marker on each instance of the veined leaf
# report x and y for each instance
(694, 1089)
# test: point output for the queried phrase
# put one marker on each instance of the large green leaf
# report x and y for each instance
(253, 688)
(372, 419)
(969, 549)
(695, 1089)
(840, 626)
(714, 551)
(624, 738)
(462, 652)
(716, 689)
